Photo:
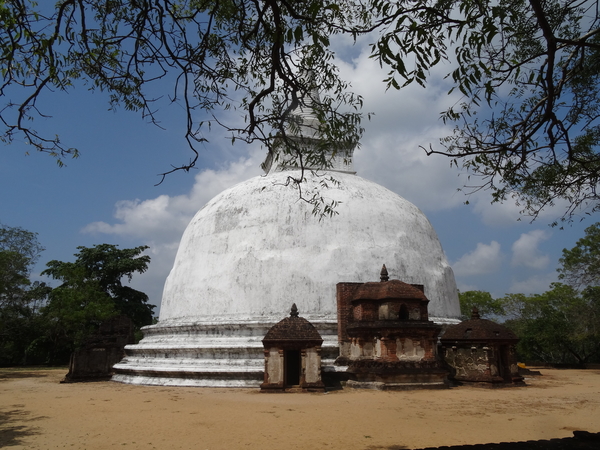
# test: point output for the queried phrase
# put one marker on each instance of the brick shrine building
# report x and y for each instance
(385, 336)
(481, 351)
(292, 351)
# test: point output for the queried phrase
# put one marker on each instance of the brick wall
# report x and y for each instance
(344, 293)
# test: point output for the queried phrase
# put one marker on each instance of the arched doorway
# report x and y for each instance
(293, 367)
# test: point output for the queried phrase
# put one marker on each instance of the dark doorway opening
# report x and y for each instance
(503, 366)
(403, 315)
(292, 367)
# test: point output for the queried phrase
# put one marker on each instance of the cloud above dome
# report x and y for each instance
(486, 258)
(526, 252)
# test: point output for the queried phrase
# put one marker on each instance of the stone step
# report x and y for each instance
(195, 375)
(207, 354)
(255, 329)
(153, 363)
(210, 343)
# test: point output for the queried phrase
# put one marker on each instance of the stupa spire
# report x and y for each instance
(384, 274)
(294, 311)
(303, 144)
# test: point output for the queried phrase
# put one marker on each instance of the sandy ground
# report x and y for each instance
(36, 412)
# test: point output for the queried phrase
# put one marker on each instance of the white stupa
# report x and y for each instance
(257, 247)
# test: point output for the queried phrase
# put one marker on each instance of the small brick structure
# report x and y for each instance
(481, 351)
(95, 360)
(386, 338)
(292, 356)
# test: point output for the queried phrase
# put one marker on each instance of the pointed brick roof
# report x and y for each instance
(293, 328)
(388, 289)
(477, 329)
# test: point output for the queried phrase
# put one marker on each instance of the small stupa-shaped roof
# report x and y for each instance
(387, 288)
(478, 329)
(293, 328)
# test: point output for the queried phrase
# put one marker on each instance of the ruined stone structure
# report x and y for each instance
(481, 351)
(252, 245)
(386, 337)
(95, 360)
(292, 356)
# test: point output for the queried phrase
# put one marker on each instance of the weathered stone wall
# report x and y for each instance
(274, 372)
(408, 349)
(311, 365)
(101, 352)
(472, 363)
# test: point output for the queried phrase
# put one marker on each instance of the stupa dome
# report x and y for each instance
(257, 246)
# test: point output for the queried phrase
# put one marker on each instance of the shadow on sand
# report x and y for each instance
(15, 424)
(581, 440)
(9, 373)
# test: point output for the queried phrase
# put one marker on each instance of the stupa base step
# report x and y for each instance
(224, 376)
(190, 378)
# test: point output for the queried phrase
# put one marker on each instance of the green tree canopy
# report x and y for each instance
(23, 242)
(558, 326)
(92, 291)
(101, 269)
(13, 275)
(580, 266)
(487, 306)
(20, 299)
(527, 70)
(74, 311)
(19, 251)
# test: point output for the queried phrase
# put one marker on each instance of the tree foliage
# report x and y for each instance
(580, 266)
(20, 299)
(486, 305)
(558, 326)
(528, 70)
(232, 54)
(23, 242)
(41, 325)
(13, 276)
(98, 273)
(74, 311)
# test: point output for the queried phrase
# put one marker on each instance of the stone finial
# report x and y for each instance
(294, 311)
(384, 274)
(475, 313)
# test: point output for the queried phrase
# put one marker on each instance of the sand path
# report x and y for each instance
(36, 412)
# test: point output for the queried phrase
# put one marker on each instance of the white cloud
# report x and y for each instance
(526, 253)
(534, 284)
(403, 122)
(484, 259)
(502, 214)
(164, 218)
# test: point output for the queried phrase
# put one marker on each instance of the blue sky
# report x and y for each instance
(108, 194)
